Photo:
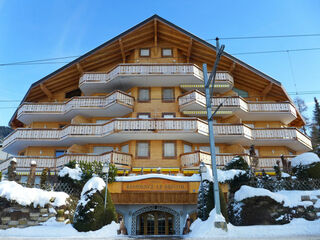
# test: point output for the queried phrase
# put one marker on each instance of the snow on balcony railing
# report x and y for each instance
(76, 103)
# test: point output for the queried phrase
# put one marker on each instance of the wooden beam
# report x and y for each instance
(122, 51)
(232, 67)
(265, 91)
(46, 91)
(155, 36)
(189, 50)
(79, 68)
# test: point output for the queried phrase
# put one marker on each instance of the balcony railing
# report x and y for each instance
(195, 101)
(267, 163)
(193, 159)
(93, 103)
(121, 160)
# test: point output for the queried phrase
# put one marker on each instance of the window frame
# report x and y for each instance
(144, 49)
(189, 144)
(144, 101)
(144, 113)
(166, 56)
(175, 150)
(167, 113)
(173, 95)
(142, 157)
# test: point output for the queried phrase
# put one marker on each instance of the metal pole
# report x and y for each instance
(211, 139)
(105, 196)
(202, 202)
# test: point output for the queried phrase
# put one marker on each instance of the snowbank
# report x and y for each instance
(223, 175)
(296, 228)
(290, 198)
(74, 173)
(52, 229)
(304, 159)
(13, 191)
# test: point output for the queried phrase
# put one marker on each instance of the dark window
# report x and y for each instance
(73, 93)
(60, 152)
(168, 94)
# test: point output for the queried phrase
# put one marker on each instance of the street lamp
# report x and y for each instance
(202, 169)
(105, 170)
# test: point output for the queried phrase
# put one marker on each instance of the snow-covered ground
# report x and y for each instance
(305, 159)
(294, 230)
(53, 229)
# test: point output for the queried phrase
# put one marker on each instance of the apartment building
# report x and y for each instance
(138, 102)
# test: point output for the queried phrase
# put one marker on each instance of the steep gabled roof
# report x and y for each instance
(109, 53)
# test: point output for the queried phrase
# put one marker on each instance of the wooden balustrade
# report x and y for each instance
(117, 158)
(76, 103)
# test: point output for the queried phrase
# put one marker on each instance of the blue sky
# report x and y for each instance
(37, 29)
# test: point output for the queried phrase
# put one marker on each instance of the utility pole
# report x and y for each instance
(219, 222)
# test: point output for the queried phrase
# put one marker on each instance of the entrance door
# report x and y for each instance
(155, 223)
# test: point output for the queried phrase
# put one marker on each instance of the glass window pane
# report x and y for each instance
(169, 149)
(143, 149)
(187, 148)
(205, 148)
(143, 115)
(168, 115)
(102, 149)
(144, 94)
(144, 52)
(167, 94)
(125, 148)
(60, 152)
(167, 52)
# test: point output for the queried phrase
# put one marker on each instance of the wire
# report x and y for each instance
(277, 51)
(38, 60)
(267, 36)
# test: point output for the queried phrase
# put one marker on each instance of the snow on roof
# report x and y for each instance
(290, 198)
(74, 173)
(304, 159)
(13, 191)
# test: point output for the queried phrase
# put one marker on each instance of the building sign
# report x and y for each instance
(155, 185)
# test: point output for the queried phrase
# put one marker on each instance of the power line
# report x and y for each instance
(277, 51)
(36, 61)
(266, 36)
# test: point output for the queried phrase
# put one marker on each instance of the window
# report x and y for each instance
(60, 152)
(125, 148)
(73, 93)
(144, 95)
(143, 150)
(169, 149)
(168, 115)
(143, 115)
(102, 149)
(187, 148)
(166, 52)
(168, 94)
(241, 93)
(207, 149)
(144, 52)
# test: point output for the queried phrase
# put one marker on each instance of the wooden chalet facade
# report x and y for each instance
(137, 101)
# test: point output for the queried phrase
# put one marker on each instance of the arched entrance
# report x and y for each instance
(155, 220)
(155, 223)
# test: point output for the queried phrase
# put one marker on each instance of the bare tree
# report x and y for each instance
(302, 107)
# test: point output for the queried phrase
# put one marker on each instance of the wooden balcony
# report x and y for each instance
(268, 162)
(187, 129)
(126, 76)
(193, 159)
(223, 83)
(194, 104)
(121, 160)
(116, 104)
(114, 131)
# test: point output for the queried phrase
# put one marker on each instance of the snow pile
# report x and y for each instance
(53, 229)
(74, 173)
(223, 175)
(285, 175)
(92, 186)
(290, 198)
(295, 229)
(13, 191)
(305, 159)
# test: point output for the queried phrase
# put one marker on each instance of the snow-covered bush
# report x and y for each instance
(206, 201)
(244, 177)
(306, 165)
(90, 214)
